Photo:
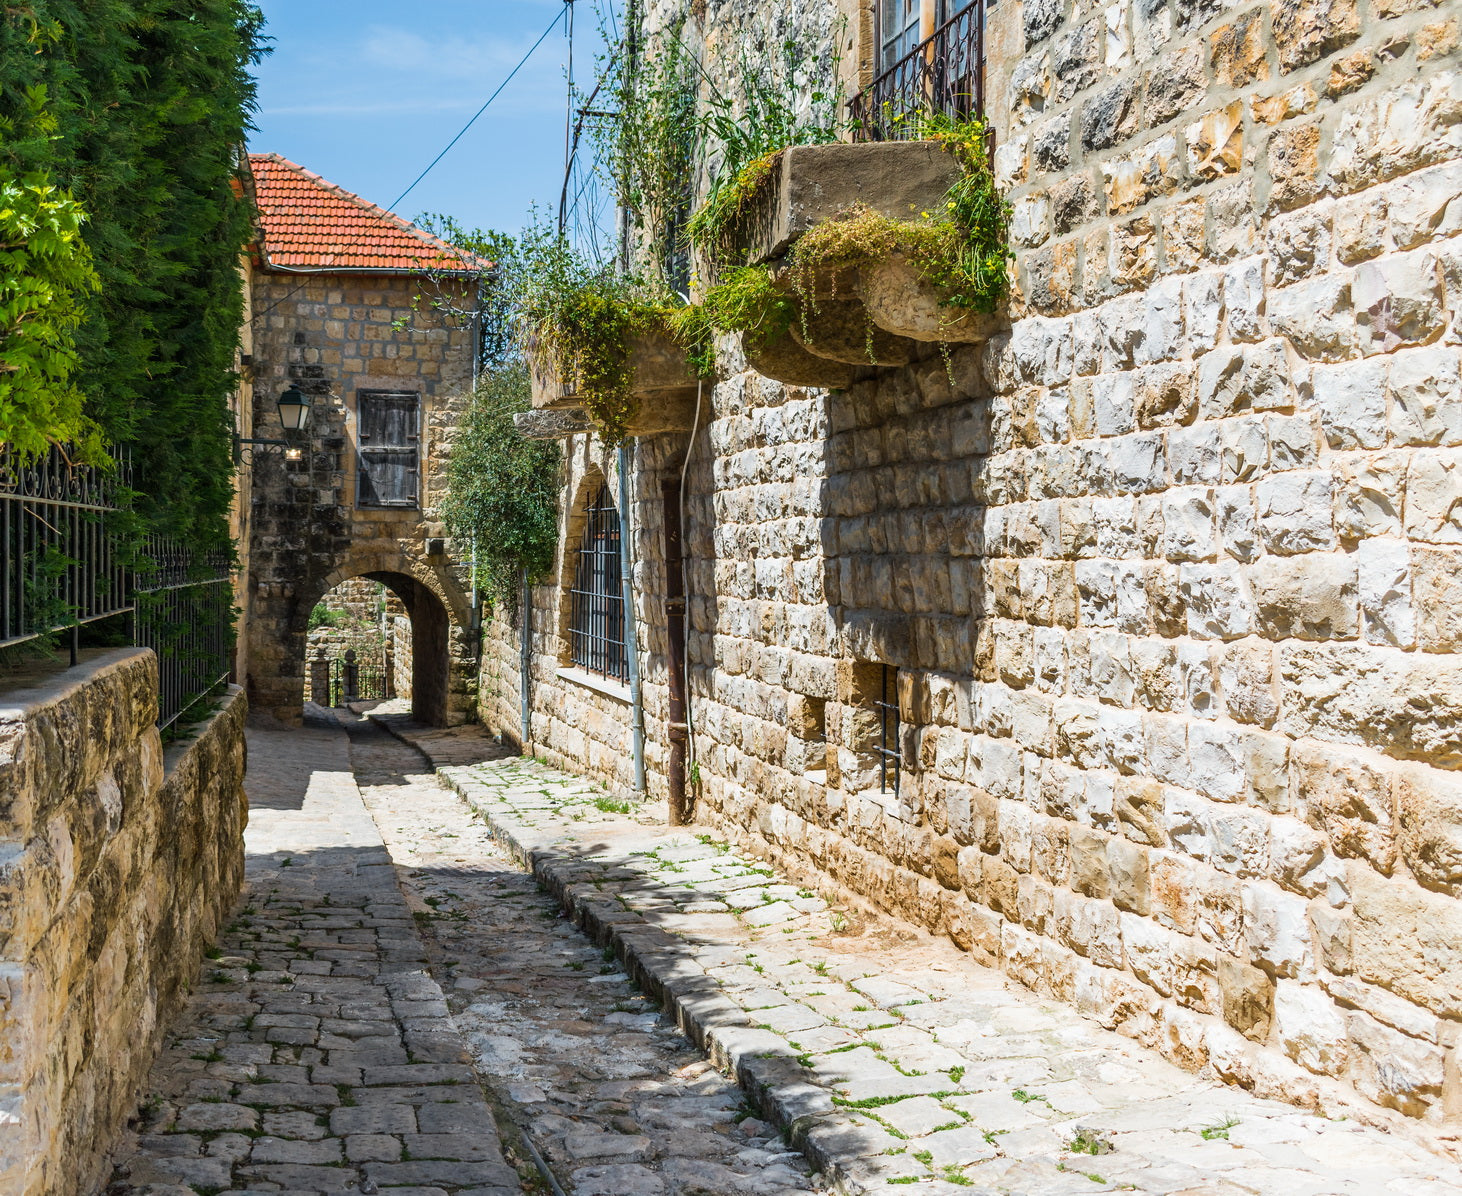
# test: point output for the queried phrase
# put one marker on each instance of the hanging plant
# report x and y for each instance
(962, 249)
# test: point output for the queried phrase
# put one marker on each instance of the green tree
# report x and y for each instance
(146, 110)
(502, 490)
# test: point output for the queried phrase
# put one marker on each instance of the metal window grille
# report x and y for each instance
(596, 614)
(890, 757)
(944, 74)
(66, 561)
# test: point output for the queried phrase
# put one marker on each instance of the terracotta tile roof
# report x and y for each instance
(310, 223)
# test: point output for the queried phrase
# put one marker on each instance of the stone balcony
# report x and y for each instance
(873, 316)
(664, 388)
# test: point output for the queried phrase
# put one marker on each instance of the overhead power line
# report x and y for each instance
(522, 62)
(568, 7)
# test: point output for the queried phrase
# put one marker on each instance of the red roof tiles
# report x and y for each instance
(311, 224)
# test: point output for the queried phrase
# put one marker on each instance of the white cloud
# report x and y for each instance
(394, 71)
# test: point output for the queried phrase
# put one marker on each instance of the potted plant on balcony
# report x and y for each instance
(875, 244)
(600, 340)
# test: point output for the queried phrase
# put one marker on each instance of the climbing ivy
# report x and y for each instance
(502, 490)
(132, 113)
(45, 279)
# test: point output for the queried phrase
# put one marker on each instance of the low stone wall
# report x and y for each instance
(118, 862)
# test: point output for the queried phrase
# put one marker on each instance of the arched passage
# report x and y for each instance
(383, 640)
(429, 646)
(443, 638)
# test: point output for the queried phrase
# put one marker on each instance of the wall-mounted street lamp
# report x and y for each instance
(294, 413)
(294, 409)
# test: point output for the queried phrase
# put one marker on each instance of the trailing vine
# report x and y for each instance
(747, 300)
(502, 490)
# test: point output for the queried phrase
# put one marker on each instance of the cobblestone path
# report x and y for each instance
(889, 1057)
(319, 1053)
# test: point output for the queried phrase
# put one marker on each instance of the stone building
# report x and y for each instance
(371, 317)
(1121, 648)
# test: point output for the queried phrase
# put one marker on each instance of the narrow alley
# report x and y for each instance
(319, 1053)
(400, 1006)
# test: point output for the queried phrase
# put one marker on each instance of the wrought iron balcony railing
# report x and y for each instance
(942, 74)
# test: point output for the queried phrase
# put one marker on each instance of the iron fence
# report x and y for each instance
(69, 558)
(184, 612)
(59, 548)
(352, 681)
(943, 74)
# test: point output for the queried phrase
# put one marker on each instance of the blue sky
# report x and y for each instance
(368, 92)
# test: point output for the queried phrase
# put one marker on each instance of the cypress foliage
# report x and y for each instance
(148, 103)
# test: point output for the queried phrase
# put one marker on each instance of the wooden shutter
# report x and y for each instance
(389, 442)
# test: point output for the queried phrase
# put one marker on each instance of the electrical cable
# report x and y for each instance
(568, 8)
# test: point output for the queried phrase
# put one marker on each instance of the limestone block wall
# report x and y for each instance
(119, 862)
(577, 721)
(333, 336)
(1167, 569)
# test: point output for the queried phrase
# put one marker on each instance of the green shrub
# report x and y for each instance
(502, 490)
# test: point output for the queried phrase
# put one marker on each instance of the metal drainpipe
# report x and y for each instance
(631, 646)
(525, 660)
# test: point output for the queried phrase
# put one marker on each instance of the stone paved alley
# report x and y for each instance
(400, 1005)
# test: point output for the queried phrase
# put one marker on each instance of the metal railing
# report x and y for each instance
(943, 74)
(68, 559)
(59, 548)
(184, 612)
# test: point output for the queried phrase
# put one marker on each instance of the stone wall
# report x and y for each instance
(1167, 568)
(334, 336)
(120, 862)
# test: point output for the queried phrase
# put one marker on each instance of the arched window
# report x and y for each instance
(596, 615)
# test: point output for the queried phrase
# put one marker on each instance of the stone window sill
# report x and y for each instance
(602, 685)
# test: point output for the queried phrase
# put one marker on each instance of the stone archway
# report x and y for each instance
(444, 637)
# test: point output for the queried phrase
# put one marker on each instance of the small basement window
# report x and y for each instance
(807, 723)
(596, 610)
(886, 704)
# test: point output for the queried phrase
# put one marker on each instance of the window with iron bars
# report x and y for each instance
(596, 612)
(942, 73)
(890, 756)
